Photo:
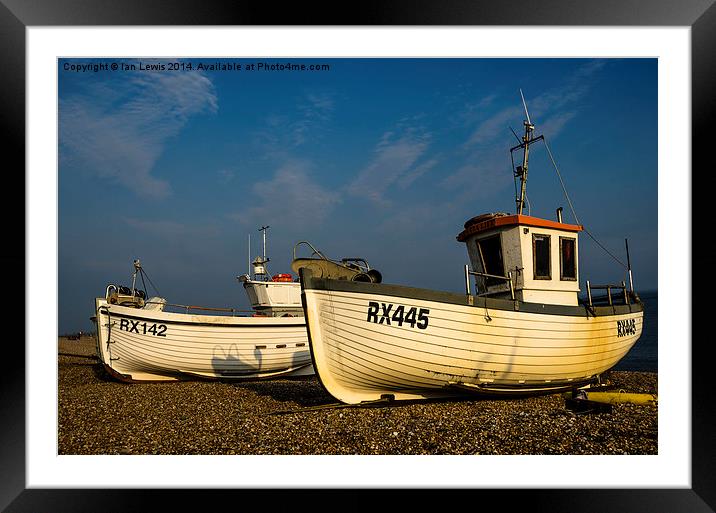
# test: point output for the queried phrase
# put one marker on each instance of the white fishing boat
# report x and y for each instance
(524, 330)
(278, 296)
(139, 340)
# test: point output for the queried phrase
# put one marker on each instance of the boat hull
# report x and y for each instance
(140, 345)
(369, 341)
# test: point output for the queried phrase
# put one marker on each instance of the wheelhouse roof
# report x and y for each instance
(488, 222)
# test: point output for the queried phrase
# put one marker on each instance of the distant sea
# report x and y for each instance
(643, 356)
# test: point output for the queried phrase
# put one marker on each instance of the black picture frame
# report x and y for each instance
(17, 15)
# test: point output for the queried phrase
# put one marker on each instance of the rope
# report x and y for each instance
(143, 273)
(605, 249)
(560, 181)
(571, 207)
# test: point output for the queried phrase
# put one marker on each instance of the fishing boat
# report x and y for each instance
(138, 339)
(526, 329)
(279, 296)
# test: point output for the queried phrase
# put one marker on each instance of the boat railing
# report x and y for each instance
(355, 264)
(358, 262)
(609, 298)
(507, 278)
(315, 251)
(187, 308)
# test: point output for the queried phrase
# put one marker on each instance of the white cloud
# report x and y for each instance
(394, 159)
(494, 126)
(315, 111)
(118, 130)
(409, 177)
(554, 124)
(291, 198)
(287, 130)
(542, 107)
(487, 162)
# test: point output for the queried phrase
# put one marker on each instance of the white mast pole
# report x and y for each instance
(263, 229)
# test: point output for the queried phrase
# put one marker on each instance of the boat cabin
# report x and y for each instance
(523, 257)
(278, 295)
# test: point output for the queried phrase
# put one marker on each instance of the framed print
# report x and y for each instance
(168, 87)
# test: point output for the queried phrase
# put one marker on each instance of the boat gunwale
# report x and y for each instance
(309, 282)
(210, 320)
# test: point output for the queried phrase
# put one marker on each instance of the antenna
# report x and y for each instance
(249, 255)
(631, 280)
(263, 229)
(259, 263)
(525, 106)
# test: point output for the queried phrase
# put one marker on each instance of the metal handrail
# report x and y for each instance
(608, 287)
(194, 307)
(508, 278)
(362, 263)
(315, 251)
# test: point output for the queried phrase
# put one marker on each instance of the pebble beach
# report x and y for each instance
(99, 415)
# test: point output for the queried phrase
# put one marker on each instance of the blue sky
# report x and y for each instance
(377, 158)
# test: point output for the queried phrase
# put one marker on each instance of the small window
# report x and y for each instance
(567, 259)
(541, 258)
(490, 250)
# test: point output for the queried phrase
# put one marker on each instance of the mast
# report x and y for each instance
(137, 267)
(263, 229)
(521, 171)
(259, 263)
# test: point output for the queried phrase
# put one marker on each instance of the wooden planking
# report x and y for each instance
(201, 350)
(357, 357)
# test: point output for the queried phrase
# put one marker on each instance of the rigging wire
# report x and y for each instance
(144, 273)
(141, 275)
(572, 207)
(514, 176)
(560, 180)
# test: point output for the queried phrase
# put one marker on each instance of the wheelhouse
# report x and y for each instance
(523, 257)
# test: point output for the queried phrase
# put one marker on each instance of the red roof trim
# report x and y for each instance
(516, 220)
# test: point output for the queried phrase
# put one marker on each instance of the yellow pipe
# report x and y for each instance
(621, 397)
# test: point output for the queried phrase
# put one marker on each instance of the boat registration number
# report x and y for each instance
(626, 327)
(128, 325)
(389, 314)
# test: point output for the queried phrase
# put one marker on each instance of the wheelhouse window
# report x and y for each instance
(490, 251)
(541, 257)
(567, 259)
